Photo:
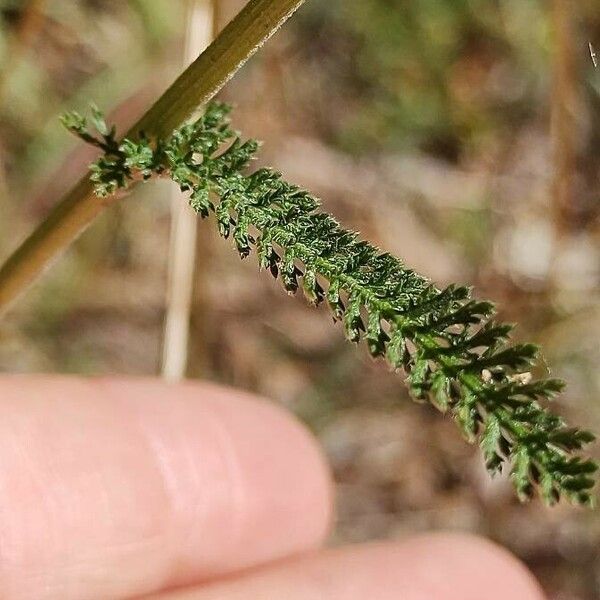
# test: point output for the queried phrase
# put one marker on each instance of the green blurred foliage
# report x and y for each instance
(440, 75)
(60, 54)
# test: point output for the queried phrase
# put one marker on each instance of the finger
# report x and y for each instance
(438, 567)
(111, 489)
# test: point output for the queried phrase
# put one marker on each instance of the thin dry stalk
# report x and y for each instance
(564, 116)
(182, 254)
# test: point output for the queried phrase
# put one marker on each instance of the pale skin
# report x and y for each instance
(114, 489)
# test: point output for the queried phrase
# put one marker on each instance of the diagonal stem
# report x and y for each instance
(244, 35)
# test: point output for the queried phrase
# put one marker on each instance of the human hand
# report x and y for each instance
(116, 489)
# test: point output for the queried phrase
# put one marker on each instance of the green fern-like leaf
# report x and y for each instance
(446, 342)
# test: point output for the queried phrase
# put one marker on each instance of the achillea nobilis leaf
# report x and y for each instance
(452, 351)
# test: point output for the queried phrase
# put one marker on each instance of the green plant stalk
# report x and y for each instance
(244, 35)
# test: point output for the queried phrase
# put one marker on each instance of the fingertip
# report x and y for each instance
(427, 567)
(288, 489)
(271, 493)
(474, 564)
(164, 484)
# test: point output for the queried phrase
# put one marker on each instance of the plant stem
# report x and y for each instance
(251, 28)
(184, 223)
(565, 107)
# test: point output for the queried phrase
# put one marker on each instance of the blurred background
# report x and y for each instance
(461, 135)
